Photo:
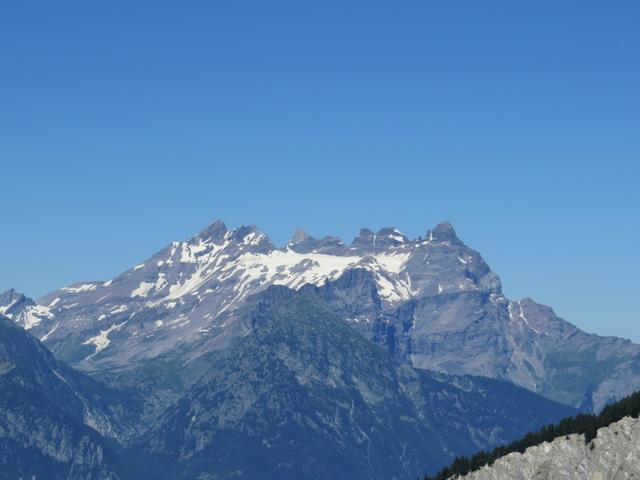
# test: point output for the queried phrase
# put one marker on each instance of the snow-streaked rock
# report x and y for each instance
(190, 286)
(437, 306)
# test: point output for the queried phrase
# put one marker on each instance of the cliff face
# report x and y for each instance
(303, 396)
(49, 421)
(613, 455)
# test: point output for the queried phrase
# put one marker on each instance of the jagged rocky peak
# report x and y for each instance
(384, 238)
(214, 233)
(12, 301)
(244, 235)
(12, 295)
(250, 238)
(302, 242)
(299, 236)
(364, 239)
(443, 232)
(390, 237)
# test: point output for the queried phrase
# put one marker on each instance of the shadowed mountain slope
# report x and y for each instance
(51, 416)
(302, 395)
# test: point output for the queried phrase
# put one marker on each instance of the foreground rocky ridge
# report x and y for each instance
(432, 301)
(613, 455)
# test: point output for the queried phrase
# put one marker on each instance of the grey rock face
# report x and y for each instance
(12, 302)
(387, 237)
(303, 243)
(49, 423)
(433, 301)
(302, 395)
(613, 455)
(297, 394)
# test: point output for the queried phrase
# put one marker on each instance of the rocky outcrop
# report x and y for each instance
(613, 455)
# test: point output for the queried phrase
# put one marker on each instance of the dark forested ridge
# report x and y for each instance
(580, 424)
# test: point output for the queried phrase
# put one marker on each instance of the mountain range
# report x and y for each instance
(432, 301)
(384, 358)
(298, 393)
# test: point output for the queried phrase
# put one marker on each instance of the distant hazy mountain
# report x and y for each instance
(432, 301)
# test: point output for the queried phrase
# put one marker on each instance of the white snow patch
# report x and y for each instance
(393, 262)
(118, 309)
(101, 341)
(48, 334)
(85, 287)
(189, 253)
(254, 238)
(520, 316)
(33, 316)
(161, 282)
(286, 268)
(142, 290)
(103, 297)
(249, 272)
(5, 308)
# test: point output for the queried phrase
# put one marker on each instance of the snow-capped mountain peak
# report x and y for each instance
(432, 301)
(187, 285)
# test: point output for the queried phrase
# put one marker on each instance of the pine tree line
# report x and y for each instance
(580, 424)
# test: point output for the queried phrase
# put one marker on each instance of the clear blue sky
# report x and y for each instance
(125, 125)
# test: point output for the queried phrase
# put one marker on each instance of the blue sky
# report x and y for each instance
(125, 125)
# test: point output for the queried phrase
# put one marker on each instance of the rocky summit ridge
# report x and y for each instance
(432, 301)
